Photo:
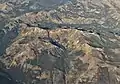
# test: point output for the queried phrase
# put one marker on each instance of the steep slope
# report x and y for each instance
(83, 45)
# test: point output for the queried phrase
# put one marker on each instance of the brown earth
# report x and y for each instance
(80, 46)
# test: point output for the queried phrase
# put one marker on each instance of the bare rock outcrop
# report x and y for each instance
(77, 42)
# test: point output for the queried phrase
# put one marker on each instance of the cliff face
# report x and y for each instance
(80, 46)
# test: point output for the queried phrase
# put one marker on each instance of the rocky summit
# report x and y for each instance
(60, 41)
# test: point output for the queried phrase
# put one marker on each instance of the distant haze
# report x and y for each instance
(48, 3)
